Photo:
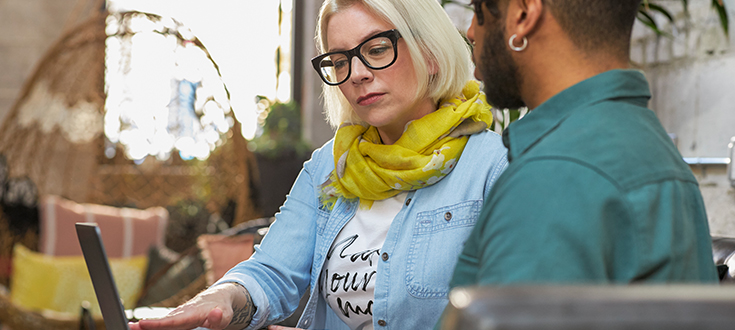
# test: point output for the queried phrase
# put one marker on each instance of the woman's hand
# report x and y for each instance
(216, 308)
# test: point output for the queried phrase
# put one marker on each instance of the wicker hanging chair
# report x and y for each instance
(52, 142)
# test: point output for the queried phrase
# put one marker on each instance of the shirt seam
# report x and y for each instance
(622, 185)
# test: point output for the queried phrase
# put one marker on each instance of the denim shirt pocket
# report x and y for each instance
(437, 240)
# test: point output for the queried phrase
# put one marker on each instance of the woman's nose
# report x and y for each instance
(360, 72)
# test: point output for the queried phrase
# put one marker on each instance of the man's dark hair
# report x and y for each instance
(593, 25)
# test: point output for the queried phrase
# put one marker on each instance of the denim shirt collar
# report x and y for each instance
(523, 134)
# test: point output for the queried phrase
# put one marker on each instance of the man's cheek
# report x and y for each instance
(478, 75)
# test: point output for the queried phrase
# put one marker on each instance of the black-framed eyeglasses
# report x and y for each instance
(377, 53)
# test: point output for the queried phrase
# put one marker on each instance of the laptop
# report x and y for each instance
(111, 306)
(604, 307)
(113, 312)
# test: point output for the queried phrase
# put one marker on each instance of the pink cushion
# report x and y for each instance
(220, 253)
(125, 232)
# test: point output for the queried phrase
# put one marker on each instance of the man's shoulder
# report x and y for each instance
(621, 141)
(609, 123)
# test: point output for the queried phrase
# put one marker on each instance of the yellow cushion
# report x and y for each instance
(61, 283)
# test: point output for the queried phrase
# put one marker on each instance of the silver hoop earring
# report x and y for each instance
(512, 45)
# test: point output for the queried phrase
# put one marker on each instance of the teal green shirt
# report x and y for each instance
(595, 192)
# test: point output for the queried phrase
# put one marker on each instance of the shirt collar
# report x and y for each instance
(524, 133)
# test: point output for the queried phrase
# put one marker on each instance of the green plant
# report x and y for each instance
(280, 130)
(503, 117)
(722, 12)
(646, 13)
(646, 10)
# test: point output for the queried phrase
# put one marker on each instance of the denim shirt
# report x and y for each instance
(417, 258)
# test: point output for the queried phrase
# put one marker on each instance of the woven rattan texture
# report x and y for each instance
(75, 168)
(53, 135)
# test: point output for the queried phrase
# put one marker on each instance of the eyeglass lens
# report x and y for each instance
(377, 53)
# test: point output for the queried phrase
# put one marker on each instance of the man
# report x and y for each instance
(595, 191)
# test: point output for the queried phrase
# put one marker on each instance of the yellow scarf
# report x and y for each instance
(426, 152)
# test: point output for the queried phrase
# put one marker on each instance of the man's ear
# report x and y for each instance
(523, 17)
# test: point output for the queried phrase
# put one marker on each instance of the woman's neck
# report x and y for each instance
(389, 134)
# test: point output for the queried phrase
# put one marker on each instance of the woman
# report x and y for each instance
(376, 219)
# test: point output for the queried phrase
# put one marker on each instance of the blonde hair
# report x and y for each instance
(431, 37)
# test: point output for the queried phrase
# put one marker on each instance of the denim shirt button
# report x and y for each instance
(408, 201)
(385, 256)
(381, 323)
(448, 216)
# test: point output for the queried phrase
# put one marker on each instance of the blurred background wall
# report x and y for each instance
(27, 29)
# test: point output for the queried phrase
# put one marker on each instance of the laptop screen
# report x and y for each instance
(112, 309)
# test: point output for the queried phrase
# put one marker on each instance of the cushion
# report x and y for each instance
(220, 253)
(173, 278)
(125, 232)
(42, 282)
(159, 257)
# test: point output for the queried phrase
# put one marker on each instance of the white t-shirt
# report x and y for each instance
(348, 277)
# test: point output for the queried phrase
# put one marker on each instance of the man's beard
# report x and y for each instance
(499, 71)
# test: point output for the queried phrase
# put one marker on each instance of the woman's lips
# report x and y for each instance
(369, 99)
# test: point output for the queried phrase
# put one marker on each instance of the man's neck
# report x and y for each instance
(550, 75)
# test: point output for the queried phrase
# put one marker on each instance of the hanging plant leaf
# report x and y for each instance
(722, 12)
(647, 20)
(662, 10)
(645, 16)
